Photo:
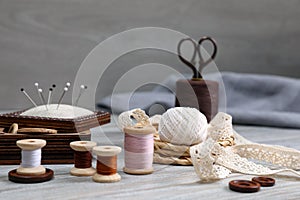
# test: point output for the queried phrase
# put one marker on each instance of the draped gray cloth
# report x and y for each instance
(266, 100)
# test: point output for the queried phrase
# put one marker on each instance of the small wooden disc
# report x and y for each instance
(31, 171)
(17, 178)
(36, 131)
(107, 150)
(244, 186)
(82, 145)
(106, 178)
(138, 171)
(82, 171)
(31, 144)
(140, 130)
(264, 181)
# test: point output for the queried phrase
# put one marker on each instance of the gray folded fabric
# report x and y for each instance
(251, 99)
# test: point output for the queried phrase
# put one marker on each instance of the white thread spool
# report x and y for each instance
(183, 126)
(139, 148)
(31, 157)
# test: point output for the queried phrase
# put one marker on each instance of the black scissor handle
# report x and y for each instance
(191, 64)
(203, 63)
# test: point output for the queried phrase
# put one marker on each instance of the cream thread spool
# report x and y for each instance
(106, 164)
(31, 170)
(82, 158)
(139, 148)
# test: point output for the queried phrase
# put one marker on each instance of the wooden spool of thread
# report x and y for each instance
(200, 94)
(106, 164)
(139, 147)
(31, 170)
(82, 158)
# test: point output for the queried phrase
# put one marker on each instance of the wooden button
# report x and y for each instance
(244, 186)
(264, 181)
(18, 178)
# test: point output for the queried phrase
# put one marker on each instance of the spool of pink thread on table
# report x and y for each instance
(139, 147)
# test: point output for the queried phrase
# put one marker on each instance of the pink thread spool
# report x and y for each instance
(139, 147)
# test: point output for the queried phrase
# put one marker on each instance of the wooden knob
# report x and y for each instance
(31, 144)
(82, 145)
(106, 150)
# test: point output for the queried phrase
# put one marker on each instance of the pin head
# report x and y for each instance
(83, 87)
(36, 84)
(50, 89)
(66, 89)
(40, 90)
(53, 86)
(68, 84)
(22, 89)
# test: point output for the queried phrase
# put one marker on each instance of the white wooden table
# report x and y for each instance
(167, 182)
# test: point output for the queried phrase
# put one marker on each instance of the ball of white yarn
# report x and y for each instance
(181, 125)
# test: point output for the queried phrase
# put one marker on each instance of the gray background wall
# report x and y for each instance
(46, 41)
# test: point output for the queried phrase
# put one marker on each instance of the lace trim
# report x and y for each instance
(225, 151)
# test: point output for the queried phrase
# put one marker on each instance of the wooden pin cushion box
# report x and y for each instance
(57, 150)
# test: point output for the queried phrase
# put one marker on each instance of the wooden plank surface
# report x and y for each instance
(167, 182)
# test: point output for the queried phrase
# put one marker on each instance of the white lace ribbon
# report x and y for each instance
(225, 151)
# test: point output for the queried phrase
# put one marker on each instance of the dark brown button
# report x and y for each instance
(244, 186)
(18, 178)
(264, 181)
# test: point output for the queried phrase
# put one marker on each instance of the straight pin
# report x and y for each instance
(61, 97)
(36, 85)
(30, 99)
(49, 95)
(42, 97)
(82, 88)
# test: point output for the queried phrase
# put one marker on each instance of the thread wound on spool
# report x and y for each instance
(31, 159)
(30, 170)
(82, 159)
(138, 151)
(107, 165)
(139, 148)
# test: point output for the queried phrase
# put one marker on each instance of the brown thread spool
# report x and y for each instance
(106, 164)
(31, 170)
(82, 158)
(200, 94)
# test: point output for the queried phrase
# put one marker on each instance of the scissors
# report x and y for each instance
(197, 51)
